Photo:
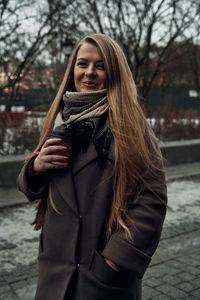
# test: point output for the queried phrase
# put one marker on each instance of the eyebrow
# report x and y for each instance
(80, 58)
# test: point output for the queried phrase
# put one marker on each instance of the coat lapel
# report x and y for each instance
(84, 158)
(64, 183)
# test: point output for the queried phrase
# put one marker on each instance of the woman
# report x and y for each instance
(101, 209)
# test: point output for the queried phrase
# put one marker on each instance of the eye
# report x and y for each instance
(100, 66)
(82, 64)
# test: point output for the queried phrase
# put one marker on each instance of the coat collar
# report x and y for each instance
(85, 158)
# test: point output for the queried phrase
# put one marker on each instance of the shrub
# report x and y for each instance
(172, 124)
(19, 132)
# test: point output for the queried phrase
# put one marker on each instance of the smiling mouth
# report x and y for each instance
(89, 83)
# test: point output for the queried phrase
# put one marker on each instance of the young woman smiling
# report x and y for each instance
(89, 73)
(101, 210)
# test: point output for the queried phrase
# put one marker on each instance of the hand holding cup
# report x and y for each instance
(56, 150)
(52, 151)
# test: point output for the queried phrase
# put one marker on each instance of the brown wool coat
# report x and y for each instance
(73, 243)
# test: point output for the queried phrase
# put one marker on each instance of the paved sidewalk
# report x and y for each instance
(174, 272)
(183, 171)
(176, 278)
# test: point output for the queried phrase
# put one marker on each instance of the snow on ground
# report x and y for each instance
(19, 243)
(183, 202)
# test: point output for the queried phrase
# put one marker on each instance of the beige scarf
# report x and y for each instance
(78, 106)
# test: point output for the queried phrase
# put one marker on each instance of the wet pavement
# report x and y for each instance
(174, 272)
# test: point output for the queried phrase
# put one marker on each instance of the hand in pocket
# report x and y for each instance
(111, 264)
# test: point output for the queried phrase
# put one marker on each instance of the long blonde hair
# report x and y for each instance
(126, 120)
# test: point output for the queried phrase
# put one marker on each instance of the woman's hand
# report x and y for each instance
(111, 264)
(46, 157)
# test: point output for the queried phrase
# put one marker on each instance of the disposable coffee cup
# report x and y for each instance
(63, 132)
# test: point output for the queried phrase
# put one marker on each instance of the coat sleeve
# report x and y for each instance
(29, 186)
(147, 211)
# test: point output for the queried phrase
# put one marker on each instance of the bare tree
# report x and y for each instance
(140, 26)
(25, 45)
(10, 37)
(147, 30)
(194, 51)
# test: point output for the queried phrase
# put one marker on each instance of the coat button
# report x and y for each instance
(80, 217)
(78, 265)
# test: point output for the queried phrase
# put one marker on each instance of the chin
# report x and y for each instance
(89, 90)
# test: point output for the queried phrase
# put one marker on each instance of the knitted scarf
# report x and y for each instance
(81, 106)
(86, 113)
(78, 106)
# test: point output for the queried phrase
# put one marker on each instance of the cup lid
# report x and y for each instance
(63, 131)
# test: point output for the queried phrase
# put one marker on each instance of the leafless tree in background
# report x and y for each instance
(21, 46)
(194, 51)
(147, 30)
(141, 27)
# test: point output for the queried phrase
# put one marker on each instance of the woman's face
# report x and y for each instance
(89, 73)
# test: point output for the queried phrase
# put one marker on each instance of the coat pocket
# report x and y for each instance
(105, 274)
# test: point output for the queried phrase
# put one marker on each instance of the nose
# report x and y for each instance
(90, 71)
